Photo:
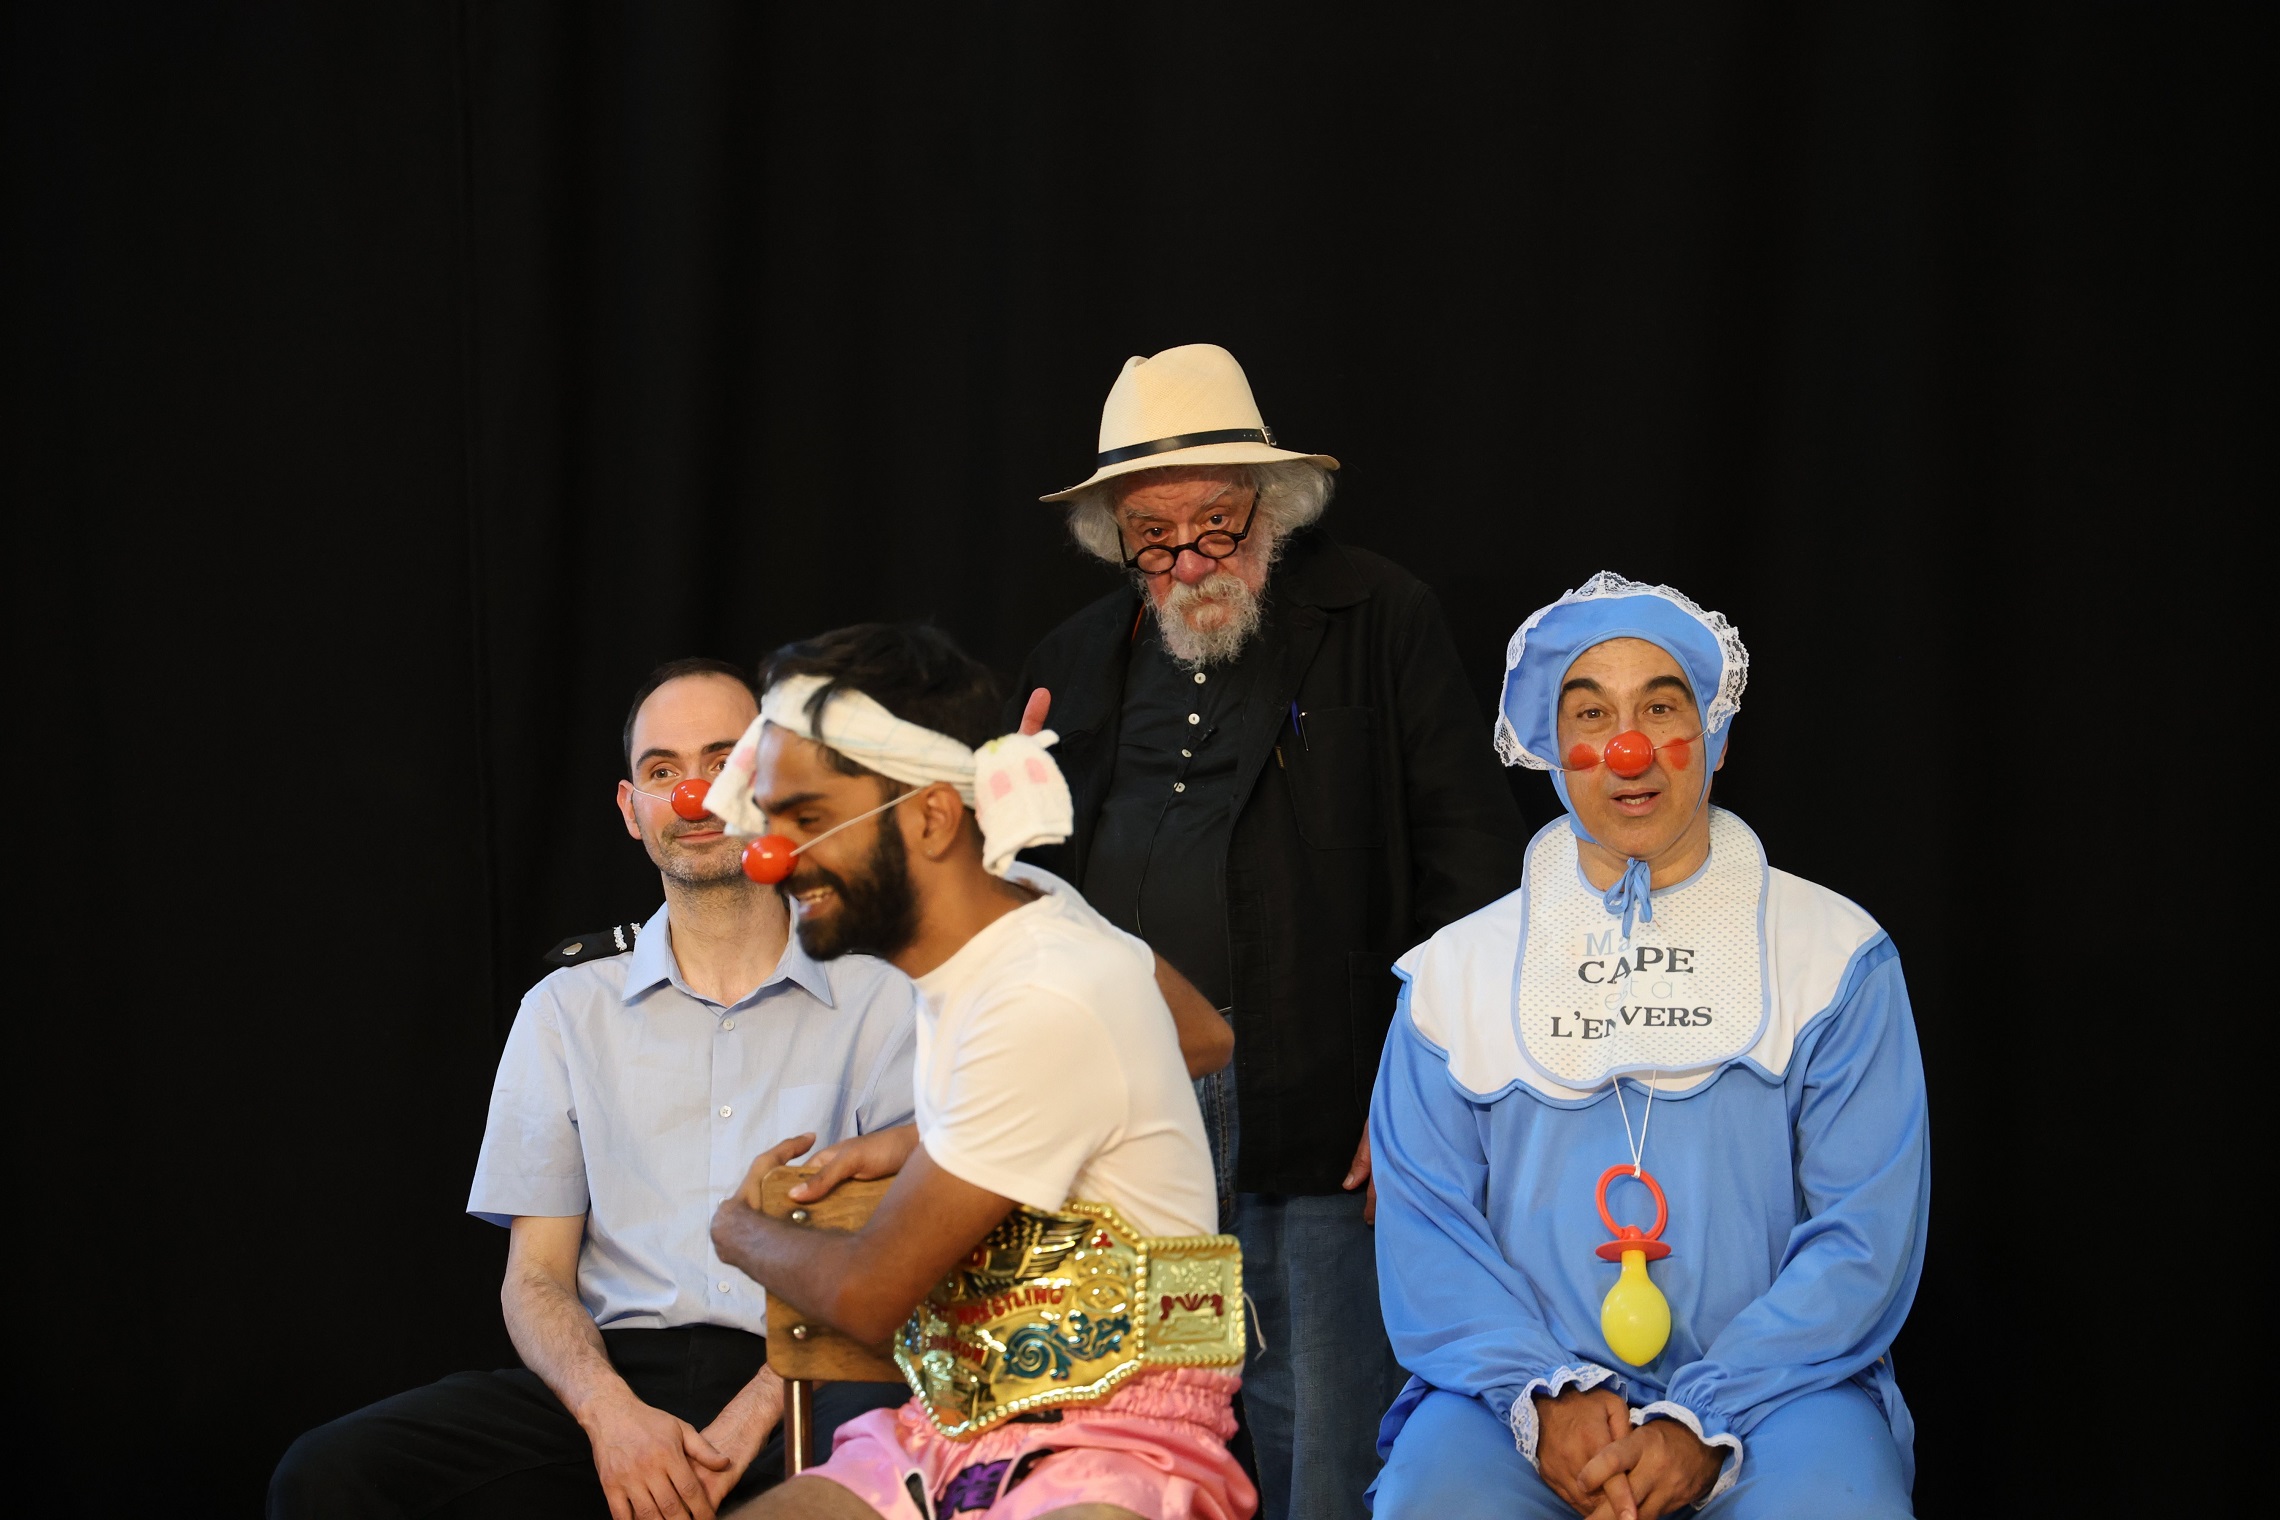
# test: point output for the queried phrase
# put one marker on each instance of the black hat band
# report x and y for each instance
(1188, 441)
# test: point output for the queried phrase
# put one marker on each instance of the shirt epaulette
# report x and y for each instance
(592, 947)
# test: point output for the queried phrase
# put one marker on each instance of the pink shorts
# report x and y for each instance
(1157, 1447)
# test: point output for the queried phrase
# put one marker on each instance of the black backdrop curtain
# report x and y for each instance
(395, 384)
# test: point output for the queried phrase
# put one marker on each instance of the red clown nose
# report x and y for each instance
(689, 798)
(768, 859)
(1630, 754)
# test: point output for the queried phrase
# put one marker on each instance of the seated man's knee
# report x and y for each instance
(1825, 1490)
(314, 1470)
(1829, 1453)
(1455, 1460)
(805, 1499)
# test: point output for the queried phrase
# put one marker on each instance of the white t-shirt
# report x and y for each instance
(1048, 1069)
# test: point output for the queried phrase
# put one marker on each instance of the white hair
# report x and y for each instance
(1292, 494)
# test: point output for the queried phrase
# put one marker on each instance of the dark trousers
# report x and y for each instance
(1320, 1374)
(499, 1444)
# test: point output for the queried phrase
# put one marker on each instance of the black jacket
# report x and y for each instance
(1385, 820)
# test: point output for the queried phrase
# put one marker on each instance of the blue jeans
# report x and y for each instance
(1320, 1373)
(1828, 1455)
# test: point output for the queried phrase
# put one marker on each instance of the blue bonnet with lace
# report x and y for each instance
(1608, 606)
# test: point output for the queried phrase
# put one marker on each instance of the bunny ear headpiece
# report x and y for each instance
(1018, 794)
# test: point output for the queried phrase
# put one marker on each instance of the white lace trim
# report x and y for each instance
(1685, 1416)
(1733, 674)
(1586, 1375)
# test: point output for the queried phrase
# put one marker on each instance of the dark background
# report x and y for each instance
(395, 384)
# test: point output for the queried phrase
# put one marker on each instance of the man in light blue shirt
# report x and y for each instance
(633, 1093)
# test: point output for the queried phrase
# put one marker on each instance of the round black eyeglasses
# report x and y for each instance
(1155, 559)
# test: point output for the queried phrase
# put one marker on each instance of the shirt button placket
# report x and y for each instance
(729, 1154)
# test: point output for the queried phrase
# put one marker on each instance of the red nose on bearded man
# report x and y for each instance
(768, 859)
(689, 798)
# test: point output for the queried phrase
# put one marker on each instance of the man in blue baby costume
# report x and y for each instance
(1656, 1013)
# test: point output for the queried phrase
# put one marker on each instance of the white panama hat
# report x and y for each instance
(1185, 406)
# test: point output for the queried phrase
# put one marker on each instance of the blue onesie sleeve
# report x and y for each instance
(1848, 1273)
(1459, 1315)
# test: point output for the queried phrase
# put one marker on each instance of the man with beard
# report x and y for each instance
(1267, 735)
(632, 1090)
(1068, 1322)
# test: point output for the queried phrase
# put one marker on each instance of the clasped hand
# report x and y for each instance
(654, 1466)
(879, 1154)
(1590, 1454)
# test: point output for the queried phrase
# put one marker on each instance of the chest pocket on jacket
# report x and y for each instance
(1332, 772)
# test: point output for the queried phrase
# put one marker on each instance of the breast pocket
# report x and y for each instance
(822, 1108)
(1330, 761)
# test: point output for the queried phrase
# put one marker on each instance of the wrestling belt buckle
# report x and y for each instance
(1060, 1308)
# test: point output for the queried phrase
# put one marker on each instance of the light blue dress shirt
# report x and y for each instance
(626, 1097)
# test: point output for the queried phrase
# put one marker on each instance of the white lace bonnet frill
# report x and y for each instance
(1018, 794)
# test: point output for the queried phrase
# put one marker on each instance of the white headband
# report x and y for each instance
(1018, 794)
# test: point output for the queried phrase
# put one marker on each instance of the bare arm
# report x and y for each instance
(551, 1329)
(865, 1282)
(741, 1429)
(642, 1455)
(1207, 1040)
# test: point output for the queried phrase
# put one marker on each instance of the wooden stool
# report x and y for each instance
(802, 1351)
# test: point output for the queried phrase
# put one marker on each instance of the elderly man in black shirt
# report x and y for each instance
(1280, 785)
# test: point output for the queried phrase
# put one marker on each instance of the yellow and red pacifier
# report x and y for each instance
(1635, 1317)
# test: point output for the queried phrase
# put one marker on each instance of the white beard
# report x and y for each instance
(1240, 612)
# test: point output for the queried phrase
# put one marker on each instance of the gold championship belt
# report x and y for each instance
(1061, 1308)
